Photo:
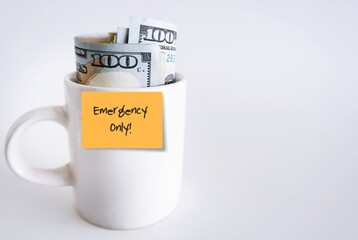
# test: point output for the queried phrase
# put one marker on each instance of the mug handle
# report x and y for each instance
(54, 177)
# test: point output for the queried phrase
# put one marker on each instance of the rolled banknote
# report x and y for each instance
(146, 30)
(100, 62)
(122, 35)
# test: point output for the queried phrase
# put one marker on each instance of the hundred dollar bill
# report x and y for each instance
(122, 35)
(146, 30)
(105, 64)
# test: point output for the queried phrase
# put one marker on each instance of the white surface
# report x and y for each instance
(271, 140)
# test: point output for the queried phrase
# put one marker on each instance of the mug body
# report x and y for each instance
(127, 188)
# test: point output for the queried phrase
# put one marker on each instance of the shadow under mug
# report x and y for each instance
(114, 188)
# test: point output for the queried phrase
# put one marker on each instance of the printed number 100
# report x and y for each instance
(159, 35)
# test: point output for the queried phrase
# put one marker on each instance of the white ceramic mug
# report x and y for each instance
(114, 188)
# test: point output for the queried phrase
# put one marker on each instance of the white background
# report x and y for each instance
(272, 107)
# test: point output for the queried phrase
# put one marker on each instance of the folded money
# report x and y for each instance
(116, 65)
(146, 30)
(140, 56)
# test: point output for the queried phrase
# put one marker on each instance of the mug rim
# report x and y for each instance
(179, 80)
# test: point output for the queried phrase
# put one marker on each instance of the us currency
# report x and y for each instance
(146, 30)
(122, 35)
(100, 62)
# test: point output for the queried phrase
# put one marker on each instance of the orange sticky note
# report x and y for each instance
(122, 120)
